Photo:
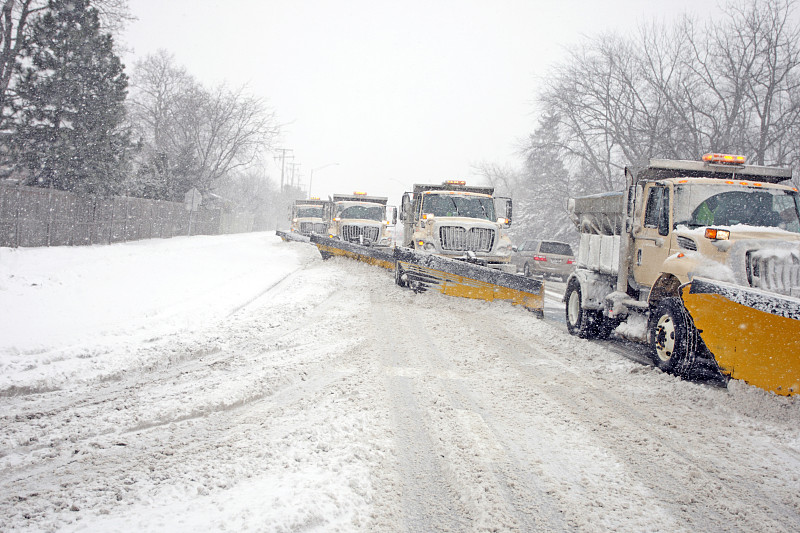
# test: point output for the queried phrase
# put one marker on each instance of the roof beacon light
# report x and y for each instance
(455, 182)
(359, 193)
(726, 159)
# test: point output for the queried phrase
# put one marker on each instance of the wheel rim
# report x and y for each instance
(574, 308)
(665, 338)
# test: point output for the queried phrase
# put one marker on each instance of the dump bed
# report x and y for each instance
(315, 201)
(420, 188)
(383, 200)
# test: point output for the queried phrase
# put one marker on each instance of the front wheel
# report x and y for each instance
(582, 322)
(673, 337)
(398, 276)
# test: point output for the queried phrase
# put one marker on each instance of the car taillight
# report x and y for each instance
(539, 258)
(570, 261)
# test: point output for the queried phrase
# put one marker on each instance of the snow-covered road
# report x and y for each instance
(241, 383)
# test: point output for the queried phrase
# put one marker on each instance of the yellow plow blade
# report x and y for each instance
(291, 236)
(753, 335)
(466, 280)
(372, 255)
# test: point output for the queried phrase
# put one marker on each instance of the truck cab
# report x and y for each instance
(361, 219)
(307, 217)
(717, 228)
(458, 221)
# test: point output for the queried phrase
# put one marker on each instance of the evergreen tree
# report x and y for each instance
(545, 184)
(70, 103)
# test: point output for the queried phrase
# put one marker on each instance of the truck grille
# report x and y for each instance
(312, 227)
(774, 272)
(458, 239)
(686, 243)
(352, 233)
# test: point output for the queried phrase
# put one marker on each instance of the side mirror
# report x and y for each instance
(503, 206)
(514, 248)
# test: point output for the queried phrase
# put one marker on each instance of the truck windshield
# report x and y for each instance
(698, 205)
(453, 205)
(309, 212)
(367, 212)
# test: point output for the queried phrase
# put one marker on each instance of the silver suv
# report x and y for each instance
(544, 258)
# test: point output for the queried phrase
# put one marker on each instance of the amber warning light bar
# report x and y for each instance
(727, 159)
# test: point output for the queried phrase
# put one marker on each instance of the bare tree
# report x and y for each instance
(731, 84)
(192, 136)
(227, 130)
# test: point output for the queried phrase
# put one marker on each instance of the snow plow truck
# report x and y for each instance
(707, 254)
(458, 221)
(361, 219)
(454, 241)
(307, 217)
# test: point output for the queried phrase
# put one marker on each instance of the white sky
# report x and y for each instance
(395, 92)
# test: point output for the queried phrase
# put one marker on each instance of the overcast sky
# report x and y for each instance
(394, 92)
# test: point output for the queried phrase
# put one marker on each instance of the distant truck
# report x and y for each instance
(458, 221)
(716, 226)
(307, 217)
(361, 219)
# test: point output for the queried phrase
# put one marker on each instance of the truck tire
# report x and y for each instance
(582, 322)
(398, 276)
(673, 337)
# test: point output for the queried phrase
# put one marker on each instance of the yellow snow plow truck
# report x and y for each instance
(708, 252)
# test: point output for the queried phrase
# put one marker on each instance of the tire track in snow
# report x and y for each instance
(428, 502)
(494, 485)
(626, 427)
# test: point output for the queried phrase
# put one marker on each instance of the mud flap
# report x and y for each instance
(422, 271)
(753, 335)
(373, 255)
(292, 236)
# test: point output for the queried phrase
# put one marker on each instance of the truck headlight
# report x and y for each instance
(717, 234)
(430, 247)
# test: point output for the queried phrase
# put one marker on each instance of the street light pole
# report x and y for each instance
(311, 177)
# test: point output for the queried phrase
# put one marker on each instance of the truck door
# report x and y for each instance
(407, 217)
(651, 237)
(327, 215)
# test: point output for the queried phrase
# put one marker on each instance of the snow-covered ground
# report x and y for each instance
(241, 383)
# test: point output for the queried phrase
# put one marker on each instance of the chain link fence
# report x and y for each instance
(31, 216)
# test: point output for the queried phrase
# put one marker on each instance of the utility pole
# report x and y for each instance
(283, 162)
(295, 166)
